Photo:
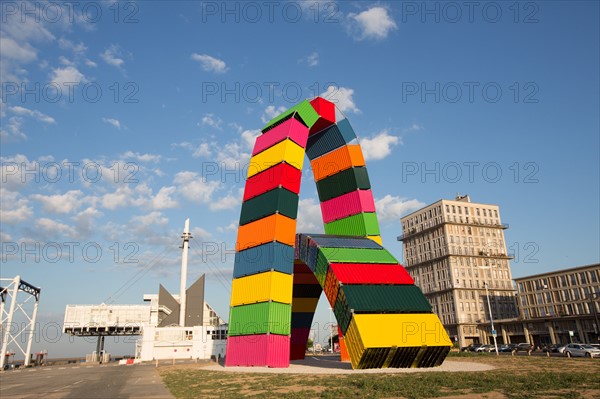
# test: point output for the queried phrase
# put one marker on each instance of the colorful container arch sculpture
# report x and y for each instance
(384, 320)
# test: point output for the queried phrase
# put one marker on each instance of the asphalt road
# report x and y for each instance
(81, 381)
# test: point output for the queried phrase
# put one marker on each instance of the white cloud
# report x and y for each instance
(69, 75)
(52, 227)
(312, 60)
(13, 207)
(194, 187)
(124, 196)
(271, 112)
(379, 146)
(90, 63)
(415, 127)
(84, 222)
(309, 216)
(249, 137)
(210, 64)
(111, 121)
(17, 52)
(13, 130)
(60, 203)
(163, 199)
(342, 98)
(374, 23)
(201, 151)
(212, 121)
(230, 201)
(153, 218)
(112, 56)
(392, 208)
(142, 157)
(32, 113)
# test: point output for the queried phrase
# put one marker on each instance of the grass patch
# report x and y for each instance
(514, 377)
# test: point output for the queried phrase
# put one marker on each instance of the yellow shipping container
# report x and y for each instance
(368, 331)
(377, 239)
(262, 287)
(285, 150)
(304, 304)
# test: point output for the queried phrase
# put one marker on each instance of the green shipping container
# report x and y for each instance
(362, 224)
(358, 255)
(278, 200)
(321, 269)
(384, 298)
(305, 110)
(260, 318)
(343, 182)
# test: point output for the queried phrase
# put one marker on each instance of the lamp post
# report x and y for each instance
(487, 294)
(330, 332)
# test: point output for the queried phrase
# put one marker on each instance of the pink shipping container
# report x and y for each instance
(265, 350)
(292, 128)
(348, 204)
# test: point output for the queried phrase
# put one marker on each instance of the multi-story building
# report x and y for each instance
(454, 249)
(561, 306)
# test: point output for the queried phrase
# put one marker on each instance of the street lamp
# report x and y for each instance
(487, 294)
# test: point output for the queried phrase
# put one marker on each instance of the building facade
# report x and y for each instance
(561, 306)
(455, 249)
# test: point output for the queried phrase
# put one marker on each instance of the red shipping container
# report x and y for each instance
(291, 128)
(280, 175)
(326, 111)
(268, 350)
(349, 204)
(370, 273)
(300, 335)
(297, 351)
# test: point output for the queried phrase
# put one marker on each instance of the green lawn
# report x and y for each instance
(514, 377)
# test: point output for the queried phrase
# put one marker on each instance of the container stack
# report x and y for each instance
(306, 293)
(365, 285)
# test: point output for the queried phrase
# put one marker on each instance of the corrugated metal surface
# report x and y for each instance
(362, 224)
(285, 150)
(300, 335)
(304, 304)
(297, 351)
(306, 112)
(291, 128)
(346, 130)
(326, 111)
(344, 182)
(258, 350)
(342, 315)
(383, 298)
(271, 228)
(337, 160)
(260, 318)
(344, 355)
(357, 255)
(262, 287)
(278, 200)
(323, 142)
(336, 241)
(331, 287)
(377, 239)
(321, 268)
(348, 204)
(302, 319)
(271, 256)
(280, 175)
(306, 290)
(304, 278)
(361, 273)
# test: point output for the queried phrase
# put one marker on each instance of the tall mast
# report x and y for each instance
(184, 263)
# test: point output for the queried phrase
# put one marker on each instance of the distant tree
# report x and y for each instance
(309, 343)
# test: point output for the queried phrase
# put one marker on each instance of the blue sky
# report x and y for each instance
(148, 110)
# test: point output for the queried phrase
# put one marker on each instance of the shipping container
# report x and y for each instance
(369, 273)
(342, 158)
(377, 239)
(343, 182)
(300, 335)
(280, 175)
(362, 224)
(383, 298)
(347, 204)
(326, 111)
(304, 304)
(271, 228)
(331, 287)
(344, 355)
(339, 241)
(307, 290)
(421, 332)
(272, 256)
(305, 279)
(291, 128)
(324, 141)
(321, 268)
(285, 150)
(297, 351)
(262, 287)
(358, 255)
(278, 200)
(260, 318)
(302, 319)
(258, 351)
(303, 111)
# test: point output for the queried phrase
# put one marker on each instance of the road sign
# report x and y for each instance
(571, 333)
(494, 334)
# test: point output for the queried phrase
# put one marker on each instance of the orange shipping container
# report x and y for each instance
(272, 228)
(337, 160)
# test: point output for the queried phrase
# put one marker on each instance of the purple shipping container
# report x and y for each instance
(300, 335)
(265, 350)
(292, 128)
(348, 204)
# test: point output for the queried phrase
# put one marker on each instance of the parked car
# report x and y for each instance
(582, 350)
(485, 348)
(597, 346)
(471, 348)
(507, 347)
(552, 348)
(562, 349)
(524, 347)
